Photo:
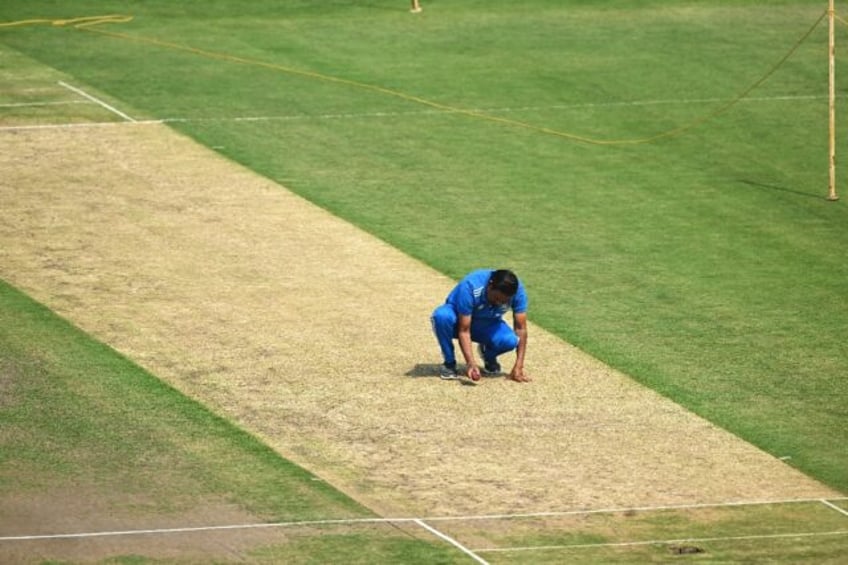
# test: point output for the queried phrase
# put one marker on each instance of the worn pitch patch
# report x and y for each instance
(315, 336)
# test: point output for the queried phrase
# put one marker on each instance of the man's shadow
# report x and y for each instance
(424, 370)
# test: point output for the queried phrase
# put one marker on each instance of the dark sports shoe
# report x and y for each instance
(490, 367)
(448, 371)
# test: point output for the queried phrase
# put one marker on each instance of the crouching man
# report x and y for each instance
(473, 312)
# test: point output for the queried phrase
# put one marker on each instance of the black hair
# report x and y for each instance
(505, 281)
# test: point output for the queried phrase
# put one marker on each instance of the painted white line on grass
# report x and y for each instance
(360, 115)
(835, 507)
(38, 104)
(554, 514)
(199, 529)
(342, 521)
(660, 542)
(453, 542)
(96, 101)
(79, 125)
(502, 110)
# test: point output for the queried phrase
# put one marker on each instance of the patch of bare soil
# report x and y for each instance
(74, 514)
(315, 336)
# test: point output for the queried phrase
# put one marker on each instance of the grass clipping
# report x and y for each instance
(315, 336)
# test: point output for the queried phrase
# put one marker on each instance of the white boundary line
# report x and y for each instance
(415, 520)
(658, 542)
(453, 542)
(96, 100)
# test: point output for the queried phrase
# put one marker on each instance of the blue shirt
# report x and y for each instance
(468, 297)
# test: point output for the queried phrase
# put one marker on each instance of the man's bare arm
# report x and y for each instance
(520, 327)
(464, 336)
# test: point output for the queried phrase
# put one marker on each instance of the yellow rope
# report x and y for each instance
(722, 109)
(73, 22)
(89, 23)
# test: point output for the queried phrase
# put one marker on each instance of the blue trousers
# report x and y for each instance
(493, 334)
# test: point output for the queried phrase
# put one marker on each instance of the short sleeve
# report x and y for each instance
(463, 300)
(520, 301)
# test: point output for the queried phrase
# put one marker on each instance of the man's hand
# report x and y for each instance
(473, 372)
(520, 324)
(518, 375)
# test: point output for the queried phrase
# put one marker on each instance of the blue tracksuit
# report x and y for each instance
(468, 298)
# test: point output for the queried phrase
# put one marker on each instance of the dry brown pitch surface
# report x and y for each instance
(315, 336)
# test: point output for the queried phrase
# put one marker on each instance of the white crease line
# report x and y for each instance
(54, 103)
(453, 542)
(659, 542)
(96, 101)
(835, 507)
(563, 513)
(78, 125)
(400, 520)
(197, 529)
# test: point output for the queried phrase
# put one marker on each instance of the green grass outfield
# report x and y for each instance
(707, 265)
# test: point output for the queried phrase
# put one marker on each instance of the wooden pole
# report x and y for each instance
(831, 50)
